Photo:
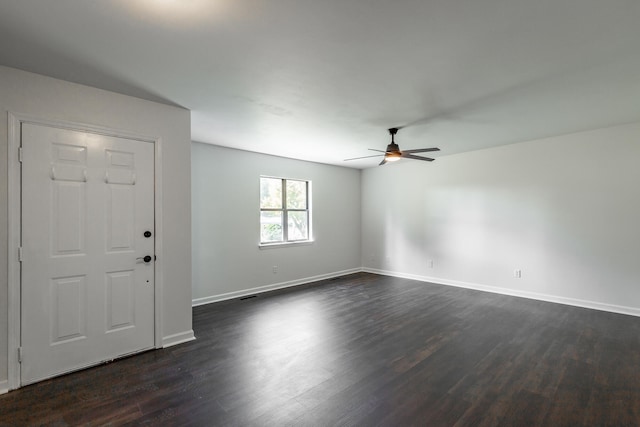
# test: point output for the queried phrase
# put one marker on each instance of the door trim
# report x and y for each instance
(15, 121)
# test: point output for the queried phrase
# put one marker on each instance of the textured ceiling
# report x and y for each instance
(323, 80)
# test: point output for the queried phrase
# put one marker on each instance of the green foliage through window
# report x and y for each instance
(284, 210)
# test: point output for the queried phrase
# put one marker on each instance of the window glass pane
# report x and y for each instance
(296, 194)
(271, 227)
(298, 228)
(270, 193)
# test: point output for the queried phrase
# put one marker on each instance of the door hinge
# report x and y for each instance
(19, 354)
(20, 254)
(20, 154)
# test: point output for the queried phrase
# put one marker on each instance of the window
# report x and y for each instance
(284, 210)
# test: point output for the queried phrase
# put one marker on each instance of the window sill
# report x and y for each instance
(284, 244)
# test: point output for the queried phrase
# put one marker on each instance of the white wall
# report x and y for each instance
(48, 98)
(564, 210)
(225, 192)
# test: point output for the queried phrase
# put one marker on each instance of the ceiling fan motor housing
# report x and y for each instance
(392, 148)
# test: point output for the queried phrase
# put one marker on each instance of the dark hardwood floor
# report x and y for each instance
(363, 350)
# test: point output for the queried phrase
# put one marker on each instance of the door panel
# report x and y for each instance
(87, 297)
(120, 300)
(68, 217)
(120, 218)
(68, 309)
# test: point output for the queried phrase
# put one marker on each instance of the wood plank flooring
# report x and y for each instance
(363, 350)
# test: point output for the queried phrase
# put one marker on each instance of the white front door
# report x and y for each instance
(87, 224)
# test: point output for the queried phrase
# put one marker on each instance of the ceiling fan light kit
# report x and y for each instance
(393, 152)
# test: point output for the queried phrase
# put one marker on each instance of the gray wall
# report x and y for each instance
(227, 261)
(48, 98)
(564, 210)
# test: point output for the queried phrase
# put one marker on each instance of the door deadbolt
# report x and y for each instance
(147, 234)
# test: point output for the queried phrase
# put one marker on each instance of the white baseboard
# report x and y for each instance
(632, 311)
(178, 338)
(4, 387)
(273, 287)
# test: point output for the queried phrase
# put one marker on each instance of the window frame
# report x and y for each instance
(285, 213)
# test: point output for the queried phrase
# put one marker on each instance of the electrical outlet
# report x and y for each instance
(517, 273)
(275, 269)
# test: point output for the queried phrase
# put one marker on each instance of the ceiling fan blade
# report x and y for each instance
(411, 156)
(373, 149)
(421, 150)
(365, 157)
(383, 162)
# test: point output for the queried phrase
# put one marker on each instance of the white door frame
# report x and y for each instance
(15, 222)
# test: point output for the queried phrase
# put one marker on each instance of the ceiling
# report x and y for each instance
(323, 80)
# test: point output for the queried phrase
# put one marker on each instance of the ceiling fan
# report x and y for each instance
(393, 152)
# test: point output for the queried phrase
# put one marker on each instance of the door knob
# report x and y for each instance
(146, 258)
(147, 234)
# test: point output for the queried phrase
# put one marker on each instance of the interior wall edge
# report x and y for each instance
(593, 305)
(179, 338)
(272, 287)
(4, 387)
